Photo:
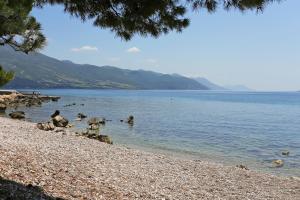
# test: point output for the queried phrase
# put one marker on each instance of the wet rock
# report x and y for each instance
(17, 115)
(105, 138)
(2, 107)
(48, 126)
(81, 116)
(69, 126)
(96, 120)
(285, 153)
(242, 167)
(278, 163)
(101, 138)
(94, 127)
(60, 121)
(130, 120)
(71, 104)
(57, 112)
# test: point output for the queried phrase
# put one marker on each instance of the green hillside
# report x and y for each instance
(39, 71)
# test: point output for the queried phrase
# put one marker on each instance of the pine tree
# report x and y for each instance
(5, 77)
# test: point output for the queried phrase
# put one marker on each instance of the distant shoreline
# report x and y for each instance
(72, 167)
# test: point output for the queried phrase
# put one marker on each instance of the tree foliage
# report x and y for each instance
(17, 28)
(5, 77)
(126, 18)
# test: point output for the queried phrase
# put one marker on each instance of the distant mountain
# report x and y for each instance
(238, 88)
(39, 71)
(209, 84)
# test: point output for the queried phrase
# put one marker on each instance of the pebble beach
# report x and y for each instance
(36, 164)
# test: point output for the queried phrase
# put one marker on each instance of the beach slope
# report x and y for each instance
(35, 164)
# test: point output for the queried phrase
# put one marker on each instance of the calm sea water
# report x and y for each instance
(250, 128)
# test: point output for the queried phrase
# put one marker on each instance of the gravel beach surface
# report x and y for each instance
(36, 164)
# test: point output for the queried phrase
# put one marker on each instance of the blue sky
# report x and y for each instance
(261, 51)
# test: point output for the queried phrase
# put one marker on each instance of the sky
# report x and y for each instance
(258, 50)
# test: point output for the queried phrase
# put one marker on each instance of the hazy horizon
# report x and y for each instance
(260, 51)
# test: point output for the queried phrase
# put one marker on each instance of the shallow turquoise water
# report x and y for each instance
(250, 128)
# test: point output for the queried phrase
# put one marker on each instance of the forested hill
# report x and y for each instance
(39, 71)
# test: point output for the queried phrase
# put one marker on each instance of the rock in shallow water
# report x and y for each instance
(81, 116)
(96, 120)
(60, 121)
(130, 120)
(278, 163)
(17, 115)
(285, 153)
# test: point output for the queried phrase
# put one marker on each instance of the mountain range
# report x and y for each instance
(36, 70)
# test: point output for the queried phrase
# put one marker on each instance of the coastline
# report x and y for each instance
(70, 167)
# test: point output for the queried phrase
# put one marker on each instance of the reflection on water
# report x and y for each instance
(250, 128)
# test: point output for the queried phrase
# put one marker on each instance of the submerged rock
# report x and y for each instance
(60, 121)
(17, 115)
(48, 126)
(96, 120)
(81, 116)
(242, 167)
(278, 163)
(285, 153)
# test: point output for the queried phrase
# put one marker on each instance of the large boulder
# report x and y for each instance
(60, 121)
(17, 115)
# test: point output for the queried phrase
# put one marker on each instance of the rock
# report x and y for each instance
(81, 116)
(69, 126)
(130, 120)
(60, 121)
(94, 127)
(96, 120)
(60, 130)
(285, 153)
(278, 163)
(57, 112)
(121, 120)
(242, 167)
(2, 107)
(48, 126)
(105, 138)
(17, 115)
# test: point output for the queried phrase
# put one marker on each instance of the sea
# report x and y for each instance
(228, 127)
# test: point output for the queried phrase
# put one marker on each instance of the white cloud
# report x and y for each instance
(84, 48)
(133, 50)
